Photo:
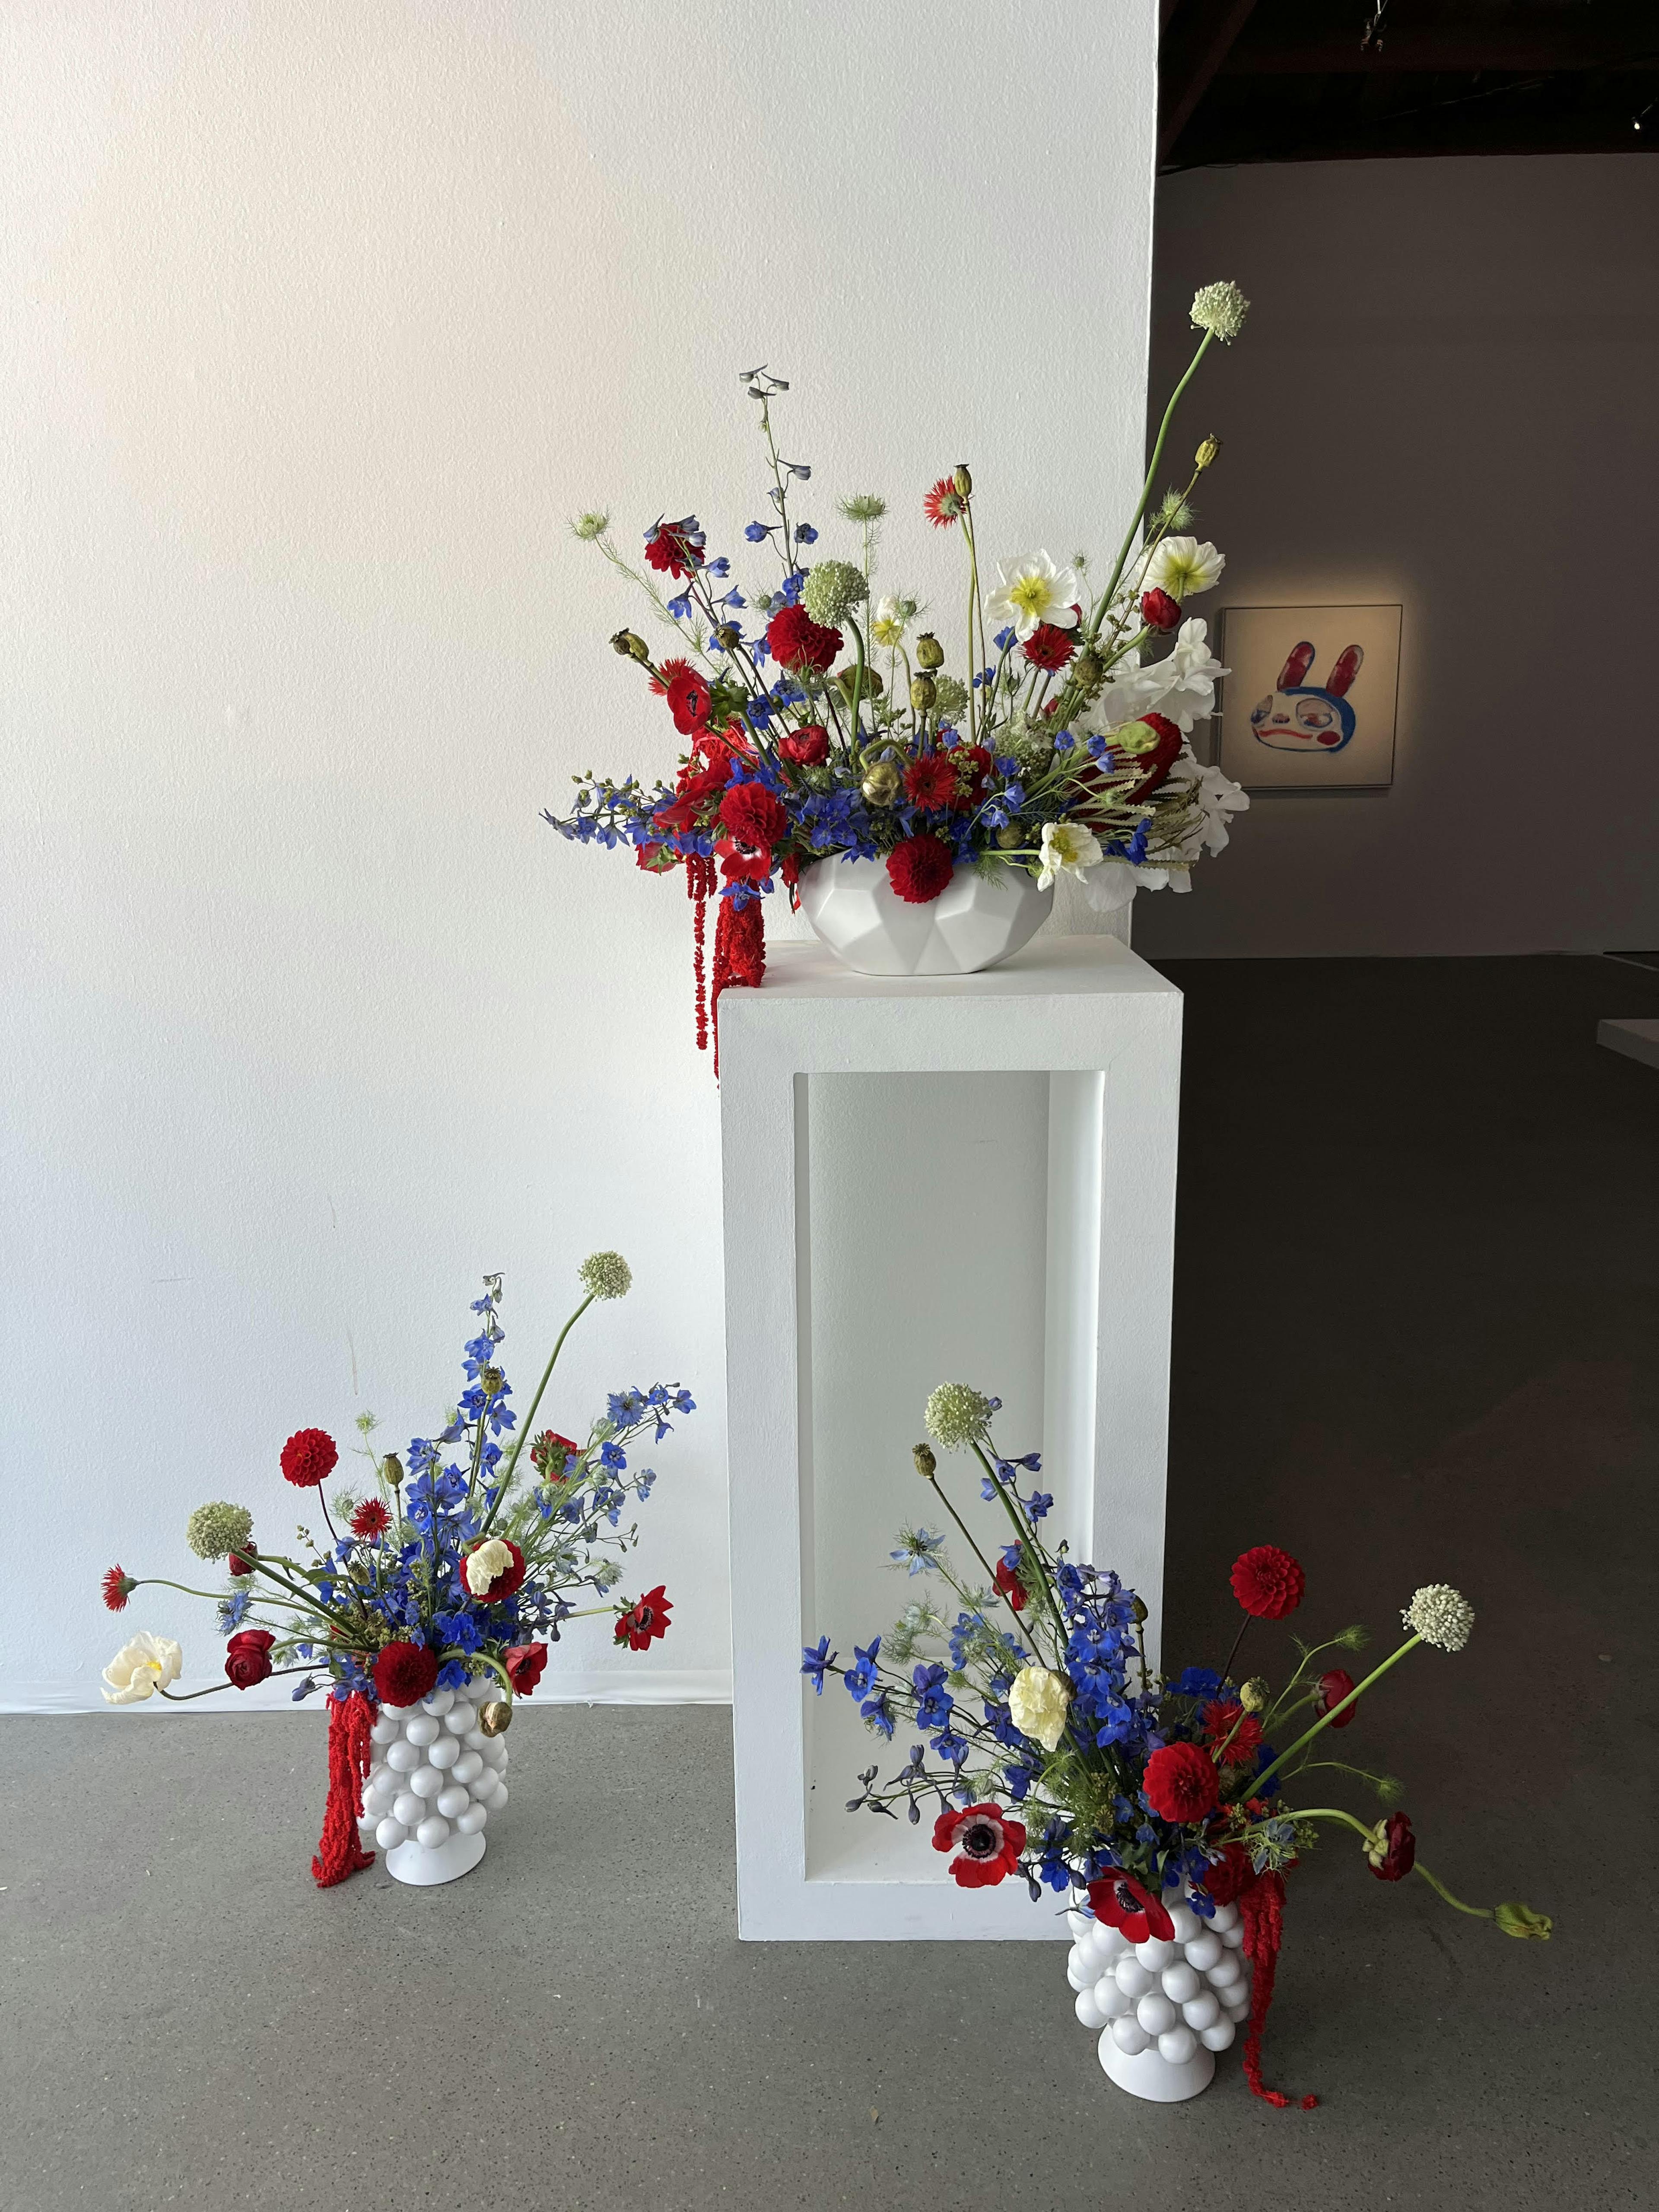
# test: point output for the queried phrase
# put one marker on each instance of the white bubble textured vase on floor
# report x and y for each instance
(981, 917)
(1162, 2010)
(436, 1780)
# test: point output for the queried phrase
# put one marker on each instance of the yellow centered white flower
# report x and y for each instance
(1067, 849)
(491, 1559)
(1031, 590)
(141, 1667)
(1039, 1702)
(1183, 568)
(891, 616)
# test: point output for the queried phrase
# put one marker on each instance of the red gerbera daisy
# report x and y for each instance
(1049, 647)
(931, 781)
(1333, 1685)
(1119, 1900)
(1241, 1732)
(944, 505)
(648, 1618)
(1268, 1582)
(796, 641)
(987, 1843)
(1180, 1784)
(309, 1457)
(118, 1587)
(921, 868)
(371, 1519)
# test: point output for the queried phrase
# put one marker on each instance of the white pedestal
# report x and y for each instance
(966, 1179)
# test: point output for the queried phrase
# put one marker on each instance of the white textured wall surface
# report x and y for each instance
(317, 323)
(1444, 398)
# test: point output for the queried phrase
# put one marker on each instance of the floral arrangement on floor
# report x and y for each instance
(1054, 746)
(433, 1572)
(1152, 1794)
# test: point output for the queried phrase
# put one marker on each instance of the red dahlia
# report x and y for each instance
(118, 1587)
(931, 781)
(405, 1673)
(1121, 1902)
(987, 1843)
(1333, 1685)
(644, 1620)
(754, 814)
(943, 505)
(1180, 1782)
(505, 1583)
(1398, 1854)
(795, 641)
(1241, 1732)
(808, 746)
(1158, 611)
(674, 547)
(309, 1457)
(371, 1519)
(552, 1453)
(1007, 1581)
(524, 1663)
(921, 868)
(690, 700)
(247, 1656)
(1049, 647)
(1268, 1582)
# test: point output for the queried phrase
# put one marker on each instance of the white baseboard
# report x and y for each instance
(637, 1686)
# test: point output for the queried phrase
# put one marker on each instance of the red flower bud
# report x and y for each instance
(1158, 611)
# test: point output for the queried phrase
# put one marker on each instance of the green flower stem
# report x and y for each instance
(1331, 1712)
(530, 1418)
(474, 1659)
(1152, 476)
(937, 1489)
(184, 1697)
(1336, 1813)
(973, 603)
(1027, 1533)
(858, 678)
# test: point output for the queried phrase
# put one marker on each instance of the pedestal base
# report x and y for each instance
(1148, 2075)
(421, 1869)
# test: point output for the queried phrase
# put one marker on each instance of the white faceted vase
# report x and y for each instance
(981, 917)
(1162, 2010)
(436, 1780)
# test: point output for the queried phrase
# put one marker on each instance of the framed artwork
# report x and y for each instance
(1309, 703)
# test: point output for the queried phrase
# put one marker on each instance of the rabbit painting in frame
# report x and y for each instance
(1302, 717)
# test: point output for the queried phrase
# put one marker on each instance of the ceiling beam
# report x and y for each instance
(1463, 53)
(1200, 35)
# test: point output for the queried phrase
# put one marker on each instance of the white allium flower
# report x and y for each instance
(214, 1530)
(1038, 1701)
(1441, 1616)
(606, 1275)
(832, 591)
(142, 1667)
(1031, 590)
(1183, 568)
(1067, 849)
(482, 1566)
(1220, 307)
(957, 1415)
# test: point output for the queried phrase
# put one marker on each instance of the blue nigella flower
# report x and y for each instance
(918, 1548)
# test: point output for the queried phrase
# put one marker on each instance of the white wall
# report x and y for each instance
(317, 321)
(1446, 397)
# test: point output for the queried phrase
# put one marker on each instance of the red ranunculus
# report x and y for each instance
(371, 1519)
(943, 504)
(405, 1673)
(1268, 1582)
(987, 1843)
(808, 746)
(931, 781)
(117, 1584)
(247, 1656)
(754, 814)
(673, 548)
(524, 1663)
(1221, 1723)
(1180, 1782)
(1121, 1902)
(309, 1458)
(1049, 647)
(550, 1454)
(921, 868)
(796, 641)
(975, 774)
(1158, 611)
(1399, 1854)
(645, 1619)
(690, 700)
(239, 1564)
(1010, 1584)
(1335, 1685)
(506, 1583)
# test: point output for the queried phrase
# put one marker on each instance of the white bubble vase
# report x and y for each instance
(982, 916)
(437, 1778)
(1162, 2010)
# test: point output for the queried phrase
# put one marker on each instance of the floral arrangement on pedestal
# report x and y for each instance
(434, 1599)
(1158, 1805)
(829, 742)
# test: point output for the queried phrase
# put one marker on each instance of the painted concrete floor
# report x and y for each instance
(1417, 1316)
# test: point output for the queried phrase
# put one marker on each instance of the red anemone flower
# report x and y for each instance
(371, 1519)
(1181, 1783)
(1121, 1902)
(921, 868)
(1007, 1581)
(647, 1618)
(1398, 1855)
(309, 1458)
(247, 1656)
(504, 1584)
(690, 700)
(405, 1673)
(1268, 1582)
(943, 504)
(796, 641)
(675, 664)
(118, 1587)
(524, 1663)
(987, 1843)
(1049, 647)
(1333, 1685)
(931, 781)
(808, 746)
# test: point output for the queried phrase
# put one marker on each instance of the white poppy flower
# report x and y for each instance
(140, 1668)
(481, 1567)
(1067, 849)
(1183, 568)
(1182, 685)
(1031, 590)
